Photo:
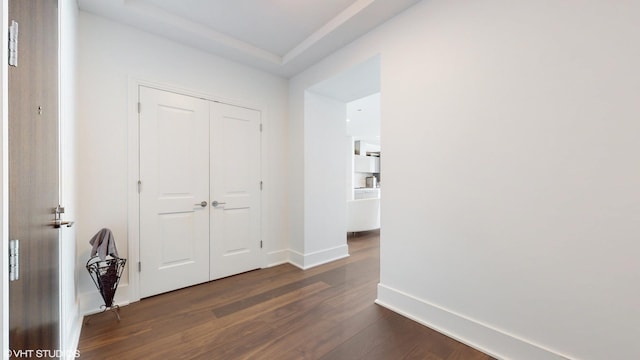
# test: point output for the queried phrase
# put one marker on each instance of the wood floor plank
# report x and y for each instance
(419, 353)
(174, 335)
(321, 328)
(389, 337)
(327, 312)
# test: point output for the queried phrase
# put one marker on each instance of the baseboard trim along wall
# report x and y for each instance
(276, 258)
(296, 259)
(317, 258)
(480, 336)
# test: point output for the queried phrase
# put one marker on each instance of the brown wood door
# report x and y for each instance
(33, 176)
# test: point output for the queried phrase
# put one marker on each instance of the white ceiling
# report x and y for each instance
(280, 36)
(357, 82)
(359, 88)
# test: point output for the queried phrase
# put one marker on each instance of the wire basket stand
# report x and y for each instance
(106, 275)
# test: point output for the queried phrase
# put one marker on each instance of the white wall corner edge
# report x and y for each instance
(482, 337)
(73, 336)
(296, 259)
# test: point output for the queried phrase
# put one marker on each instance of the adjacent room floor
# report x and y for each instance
(327, 312)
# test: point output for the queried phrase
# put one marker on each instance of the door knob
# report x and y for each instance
(203, 204)
(215, 203)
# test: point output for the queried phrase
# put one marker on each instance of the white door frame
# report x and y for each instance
(133, 166)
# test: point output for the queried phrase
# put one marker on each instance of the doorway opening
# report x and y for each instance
(342, 159)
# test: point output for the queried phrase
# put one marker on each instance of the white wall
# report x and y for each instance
(521, 121)
(70, 319)
(296, 179)
(109, 56)
(325, 211)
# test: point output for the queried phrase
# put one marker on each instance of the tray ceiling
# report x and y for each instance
(280, 36)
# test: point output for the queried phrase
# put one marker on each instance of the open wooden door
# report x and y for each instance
(33, 179)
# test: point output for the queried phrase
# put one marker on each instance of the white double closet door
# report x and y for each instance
(200, 190)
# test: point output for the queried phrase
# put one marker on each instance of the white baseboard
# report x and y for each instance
(276, 258)
(317, 258)
(90, 301)
(485, 338)
(296, 259)
(325, 256)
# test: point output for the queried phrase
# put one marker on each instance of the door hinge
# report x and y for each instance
(139, 266)
(260, 244)
(261, 184)
(13, 43)
(139, 107)
(260, 127)
(139, 186)
(14, 260)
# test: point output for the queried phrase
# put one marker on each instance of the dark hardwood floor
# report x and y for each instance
(278, 313)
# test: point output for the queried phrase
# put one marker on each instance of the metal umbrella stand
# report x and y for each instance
(106, 275)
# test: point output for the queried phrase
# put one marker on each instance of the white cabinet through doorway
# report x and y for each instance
(199, 190)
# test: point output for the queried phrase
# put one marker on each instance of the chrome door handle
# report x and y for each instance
(60, 223)
(57, 221)
(215, 203)
(203, 204)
